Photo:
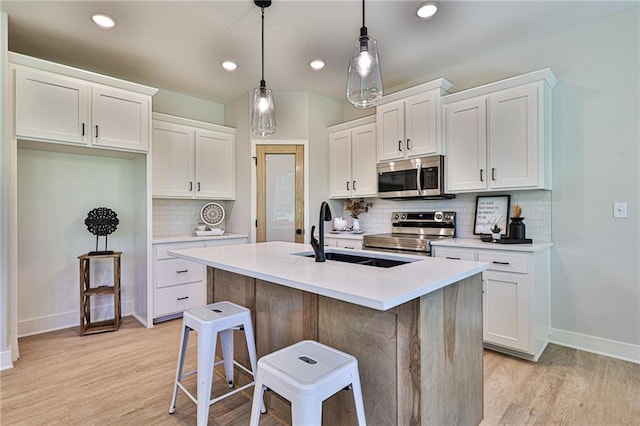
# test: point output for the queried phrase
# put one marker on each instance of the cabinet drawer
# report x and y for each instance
(508, 262)
(162, 249)
(349, 244)
(170, 300)
(456, 254)
(225, 242)
(177, 271)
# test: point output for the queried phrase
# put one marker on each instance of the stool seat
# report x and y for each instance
(306, 374)
(209, 321)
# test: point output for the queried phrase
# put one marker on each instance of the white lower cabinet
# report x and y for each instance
(180, 284)
(346, 243)
(515, 297)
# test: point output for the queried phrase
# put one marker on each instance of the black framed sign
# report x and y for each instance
(491, 210)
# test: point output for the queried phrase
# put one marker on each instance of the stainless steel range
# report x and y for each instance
(412, 232)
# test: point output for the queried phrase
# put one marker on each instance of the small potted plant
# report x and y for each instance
(355, 208)
(495, 232)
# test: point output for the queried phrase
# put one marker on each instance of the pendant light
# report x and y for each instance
(364, 82)
(263, 117)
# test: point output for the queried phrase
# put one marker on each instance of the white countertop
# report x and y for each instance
(186, 238)
(377, 288)
(477, 244)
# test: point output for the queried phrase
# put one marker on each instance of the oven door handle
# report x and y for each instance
(418, 185)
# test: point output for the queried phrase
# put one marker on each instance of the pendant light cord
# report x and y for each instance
(363, 29)
(262, 82)
(363, 14)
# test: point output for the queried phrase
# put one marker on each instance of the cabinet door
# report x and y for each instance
(340, 164)
(513, 137)
(51, 107)
(364, 176)
(466, 145)
(421, 127)
(390, 122)
(215, 165)
(120, 119)
(506, 316)
(173, 160)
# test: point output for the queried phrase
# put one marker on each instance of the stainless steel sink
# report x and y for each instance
(378, 262)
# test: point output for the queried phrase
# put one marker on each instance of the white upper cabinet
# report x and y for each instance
(192, 159)
(500, 139)
(352, 159)
(409, 122)
(51, 107)
(120, 119)
(59, 104)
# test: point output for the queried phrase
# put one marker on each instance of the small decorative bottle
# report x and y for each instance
(517, 229)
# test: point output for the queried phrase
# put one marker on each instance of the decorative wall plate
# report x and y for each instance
(212, 214)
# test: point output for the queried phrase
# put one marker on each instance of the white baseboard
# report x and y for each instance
(68, 319)
(5, 360)
(597, 345)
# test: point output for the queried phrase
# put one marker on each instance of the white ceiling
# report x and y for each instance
(179, 45)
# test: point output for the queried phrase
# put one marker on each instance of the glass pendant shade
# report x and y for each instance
(263, 117)
(364, 82)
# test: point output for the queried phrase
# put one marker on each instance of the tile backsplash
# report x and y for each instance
(536, 208)
(177, 217)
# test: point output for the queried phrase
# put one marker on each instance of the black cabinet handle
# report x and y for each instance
(399, 145)
(198, 186)
(347, 185)
(96, 130)
(481, 175)
(408, 144)
(190, 186)
(453, 258)
(182, 271)
(82, 129)
(500, 263)
(182, 298)
(493, 173)
(354, 185)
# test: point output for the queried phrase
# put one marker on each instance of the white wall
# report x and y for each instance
(172, 103)
(595, 262)
(56, 190)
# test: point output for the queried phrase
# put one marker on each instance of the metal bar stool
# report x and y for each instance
(208, 321)
(306, 374)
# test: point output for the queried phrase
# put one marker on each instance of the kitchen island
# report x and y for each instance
(415, 328)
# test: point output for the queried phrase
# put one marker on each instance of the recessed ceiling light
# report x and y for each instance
(103, 21)
(229, 65)
(317, 64)
(427, 10)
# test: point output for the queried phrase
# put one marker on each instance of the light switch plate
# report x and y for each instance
(619, 210)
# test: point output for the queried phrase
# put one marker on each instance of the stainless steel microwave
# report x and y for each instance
(413, 178)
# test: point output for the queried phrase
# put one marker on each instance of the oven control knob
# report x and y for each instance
(438, 216)
(404, 216)
(447, 216)
(395, 216)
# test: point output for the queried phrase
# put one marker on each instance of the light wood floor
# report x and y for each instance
(125, 378)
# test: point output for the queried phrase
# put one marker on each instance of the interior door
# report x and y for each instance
(280, 193)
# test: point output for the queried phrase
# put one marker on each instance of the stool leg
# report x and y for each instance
(206, 359)
(226, 338)
(257, 406)
(306, 412)
(357, 398)
(251, 348)
(182, 352)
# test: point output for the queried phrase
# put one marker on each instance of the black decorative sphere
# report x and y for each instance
(101, 221)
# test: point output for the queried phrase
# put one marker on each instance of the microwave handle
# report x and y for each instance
(418, 183)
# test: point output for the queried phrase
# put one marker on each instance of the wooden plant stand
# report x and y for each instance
(86, 291)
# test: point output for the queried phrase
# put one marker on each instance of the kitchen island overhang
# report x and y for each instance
(376, 288)
(416, 329)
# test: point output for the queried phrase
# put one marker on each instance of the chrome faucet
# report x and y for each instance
(318, 247)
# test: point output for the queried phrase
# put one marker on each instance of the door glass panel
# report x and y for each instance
(280, 197)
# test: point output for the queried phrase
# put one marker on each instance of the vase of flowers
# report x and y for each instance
(355, 209)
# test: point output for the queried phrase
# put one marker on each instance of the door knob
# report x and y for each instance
(299, 231)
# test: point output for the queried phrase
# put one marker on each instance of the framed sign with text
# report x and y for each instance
(491, 210)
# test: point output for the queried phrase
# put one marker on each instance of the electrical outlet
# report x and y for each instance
(619, 210)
